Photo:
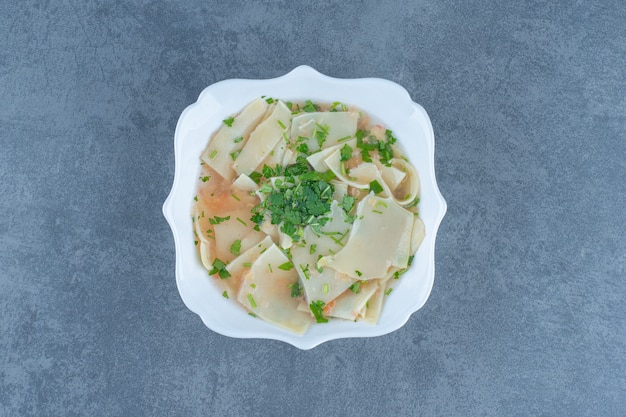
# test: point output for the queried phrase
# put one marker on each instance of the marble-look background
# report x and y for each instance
(528, 312)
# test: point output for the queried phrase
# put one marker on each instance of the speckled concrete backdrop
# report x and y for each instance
(528, 312)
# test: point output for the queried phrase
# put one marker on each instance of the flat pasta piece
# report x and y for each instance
(265, 291)
(408, 189)
(376, 301)
(359, 177)
(205, 254)
(341, 190)
(378, 220)
(289, 158)
(318, 159)
(264, 139)
(238, 228)
(332, 126)
(350, 304)
(418, 233)
(243, 262)
(245, 183)
(229, 140)
(392, 176)
(276, 155)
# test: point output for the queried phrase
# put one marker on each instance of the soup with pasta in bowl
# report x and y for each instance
(304, 208)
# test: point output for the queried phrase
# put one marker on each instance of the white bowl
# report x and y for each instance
(387, 103)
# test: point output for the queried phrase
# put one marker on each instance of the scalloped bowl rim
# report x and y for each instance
(385, 102)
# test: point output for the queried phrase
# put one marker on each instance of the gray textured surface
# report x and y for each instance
(528, 312)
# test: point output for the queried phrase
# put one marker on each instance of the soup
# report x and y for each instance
(306, 212)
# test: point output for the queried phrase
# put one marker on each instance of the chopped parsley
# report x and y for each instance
(317, 308)
(269, 172)
(296, 289)
(218, 220)
(346, 152)
(235, 154)
(225, 294)
(235, 248)
(388, 291)
(312, 249)
(219, 268)
(205, 179)
(356, 287)
(292, 205)
(251, 300)
(255, 176)
(359, 273)
(333, 107)
(238, 139)
(303, 148)
(321, 132)
(305, 271)
(376, 187)
(310, 107)
(348, 203)
(368, 143)
(390, 138)
(286, 266)
(229, 122)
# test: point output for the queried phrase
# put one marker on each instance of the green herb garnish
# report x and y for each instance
(218, 220)
(229, 122)
(317, 308)
(251, 300)
(255, 176)
(356, 287)
(235, 248)
(286, 266)
(310, 107)
(376, 187)
(295, 206)
(219, 268)
(296, 289)
(348, 203)
(305, 271)
(346, 152)
(321, 132)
